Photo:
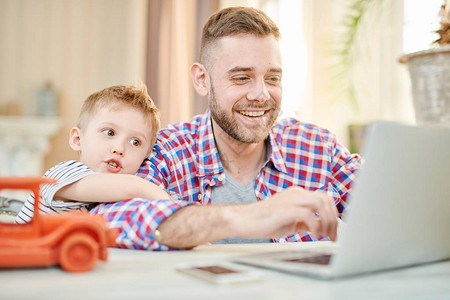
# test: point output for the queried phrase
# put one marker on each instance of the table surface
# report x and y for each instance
(136, 274)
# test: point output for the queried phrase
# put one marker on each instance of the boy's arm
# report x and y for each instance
(110, 188)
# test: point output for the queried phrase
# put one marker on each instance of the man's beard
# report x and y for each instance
(237, 131)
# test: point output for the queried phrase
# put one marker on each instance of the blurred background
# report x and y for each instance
(340, 63)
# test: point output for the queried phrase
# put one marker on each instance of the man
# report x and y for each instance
(262, 181)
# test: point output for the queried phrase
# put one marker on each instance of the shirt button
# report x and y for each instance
(200, 197)
(220, 177)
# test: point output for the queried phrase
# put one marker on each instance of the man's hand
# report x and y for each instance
(290, 211)
(285, 213)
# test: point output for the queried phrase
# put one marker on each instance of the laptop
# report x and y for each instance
(399, 210)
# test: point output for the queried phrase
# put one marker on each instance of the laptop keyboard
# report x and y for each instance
(323, 259)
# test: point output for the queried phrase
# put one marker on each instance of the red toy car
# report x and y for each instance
(75, 240)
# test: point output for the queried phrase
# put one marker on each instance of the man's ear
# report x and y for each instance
(200, 79)
(75, 139)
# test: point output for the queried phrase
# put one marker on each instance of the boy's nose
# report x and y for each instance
(118, 149)
(118, 152)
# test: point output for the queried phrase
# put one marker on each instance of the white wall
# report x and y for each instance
(81, 46)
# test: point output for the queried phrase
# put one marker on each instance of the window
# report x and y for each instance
(422, 19)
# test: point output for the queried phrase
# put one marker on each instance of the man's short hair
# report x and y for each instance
(233, 21)
(129, 95)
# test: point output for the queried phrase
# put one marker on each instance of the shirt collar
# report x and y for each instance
(208, 160)
(276, 156)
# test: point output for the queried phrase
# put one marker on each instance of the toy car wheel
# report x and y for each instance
(78, 253)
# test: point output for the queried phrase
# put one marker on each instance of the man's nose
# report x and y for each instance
(259, 91)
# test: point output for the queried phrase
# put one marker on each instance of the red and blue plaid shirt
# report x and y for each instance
(186, 163)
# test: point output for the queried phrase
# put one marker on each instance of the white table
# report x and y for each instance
(134, 274)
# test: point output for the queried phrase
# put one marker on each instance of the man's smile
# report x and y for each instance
(252, 113)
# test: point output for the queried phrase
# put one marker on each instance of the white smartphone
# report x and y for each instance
(220, 272)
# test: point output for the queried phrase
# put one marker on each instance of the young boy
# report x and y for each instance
(116, 131)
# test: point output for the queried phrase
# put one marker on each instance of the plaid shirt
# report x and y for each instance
(186, 163)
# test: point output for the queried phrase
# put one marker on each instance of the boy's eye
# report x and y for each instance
(108, 132)
(135, 142)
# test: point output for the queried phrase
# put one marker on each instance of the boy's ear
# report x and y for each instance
(200, 79)
(75, 139)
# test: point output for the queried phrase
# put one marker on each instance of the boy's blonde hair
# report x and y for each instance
(129, 95)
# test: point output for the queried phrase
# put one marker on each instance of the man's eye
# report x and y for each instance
(274, 79)
(135, 142)
(108, 132)
(240, 79)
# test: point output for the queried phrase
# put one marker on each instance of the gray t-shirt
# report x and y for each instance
(232, 192)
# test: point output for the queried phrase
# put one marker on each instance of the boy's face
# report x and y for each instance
(116, 140)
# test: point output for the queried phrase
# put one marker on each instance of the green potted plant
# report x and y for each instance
(350, 49)
(429, 69)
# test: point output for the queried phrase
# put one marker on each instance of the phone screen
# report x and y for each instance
(217, 270)
(220, 272)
